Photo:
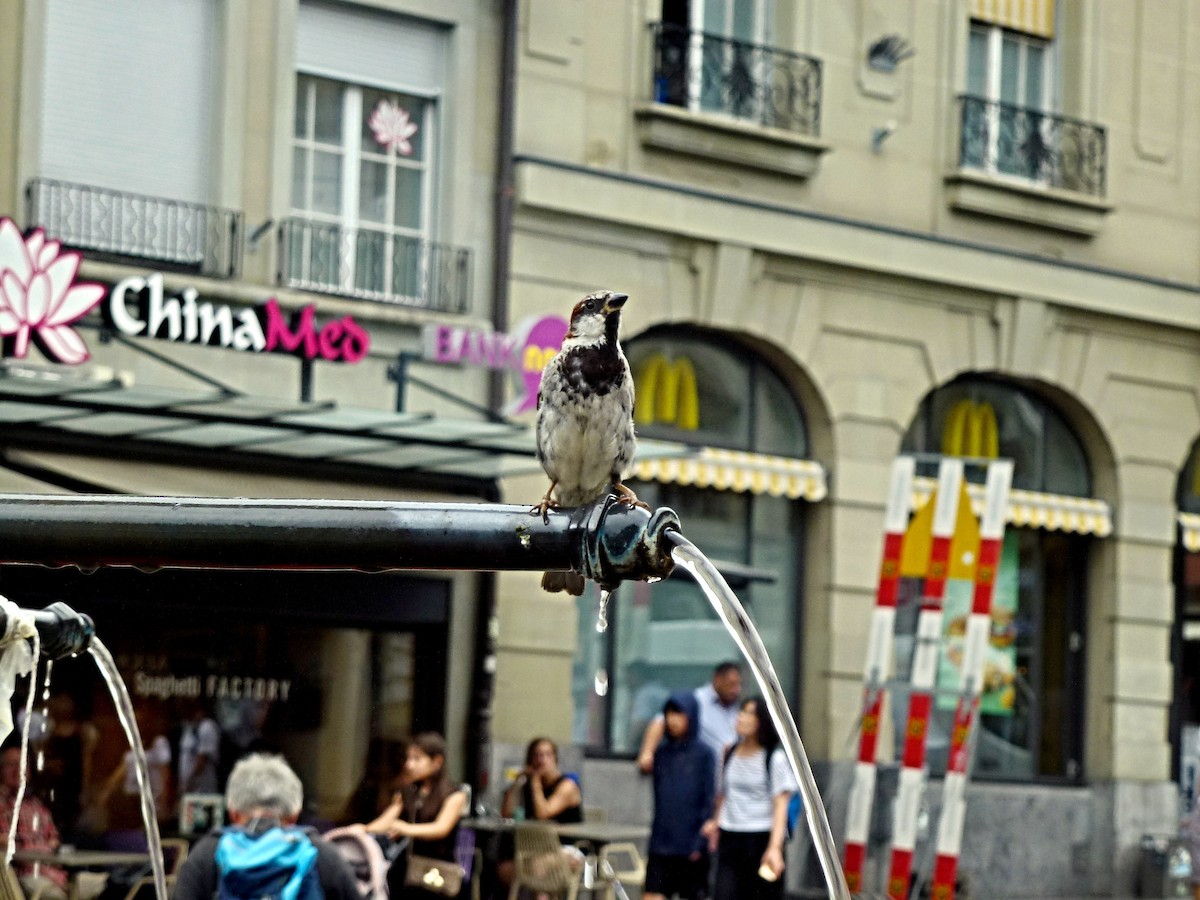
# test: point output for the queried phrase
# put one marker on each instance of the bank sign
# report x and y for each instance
(524, 352)
(40, 304)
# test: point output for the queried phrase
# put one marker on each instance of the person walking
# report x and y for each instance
(750, 826)
(684, 792)
(718, 704)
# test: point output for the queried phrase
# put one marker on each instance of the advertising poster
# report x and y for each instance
(1000, 658)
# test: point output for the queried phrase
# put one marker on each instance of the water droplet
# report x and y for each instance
(602, 616)
(601, 683)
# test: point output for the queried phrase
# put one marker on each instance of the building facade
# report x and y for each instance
(228, 228)
(942, 227)
(850, 230)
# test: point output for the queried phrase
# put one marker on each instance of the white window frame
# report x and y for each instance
(698, 26)
(352, 153)
(1047, 103)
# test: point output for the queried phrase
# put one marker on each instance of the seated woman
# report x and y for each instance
(545, 794)
(426, 810)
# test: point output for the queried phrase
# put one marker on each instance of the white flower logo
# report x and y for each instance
(37, 297)
(393, 126)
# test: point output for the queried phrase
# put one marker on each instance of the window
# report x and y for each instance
(716, 57)
(123, 159)
(1009, 74)
(665, 637)
(361, 177)
(367, 140)
(1032, 728)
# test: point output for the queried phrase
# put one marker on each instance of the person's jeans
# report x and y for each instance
(739, 854)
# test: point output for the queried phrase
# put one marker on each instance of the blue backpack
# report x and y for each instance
(277, 864)
(795, 804)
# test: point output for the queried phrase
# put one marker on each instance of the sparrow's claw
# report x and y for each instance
(543, 506)
(628, 497)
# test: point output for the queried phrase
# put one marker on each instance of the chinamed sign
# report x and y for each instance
(40, 304)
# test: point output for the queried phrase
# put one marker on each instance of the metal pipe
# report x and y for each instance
(63, 632)
(608, 541)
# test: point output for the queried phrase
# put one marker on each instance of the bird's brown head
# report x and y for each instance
(597, 316)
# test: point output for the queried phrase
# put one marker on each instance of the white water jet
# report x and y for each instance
(124, 705)
(738, 623)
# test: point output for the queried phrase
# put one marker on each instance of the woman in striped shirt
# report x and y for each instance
(749, 826)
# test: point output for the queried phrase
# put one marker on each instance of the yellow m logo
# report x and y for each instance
(666, 393)
(970, 429)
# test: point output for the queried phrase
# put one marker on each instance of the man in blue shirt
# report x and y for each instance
(718, 707)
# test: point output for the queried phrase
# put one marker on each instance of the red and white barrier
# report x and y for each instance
(879, 659)
(966, 714)
(924, 673)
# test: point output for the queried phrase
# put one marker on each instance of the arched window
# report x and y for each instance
(1185, 638)
(703, 390)
(1032, 708)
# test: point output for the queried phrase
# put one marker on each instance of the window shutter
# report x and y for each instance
(1028, 16)
(372, 48)
(127, 102)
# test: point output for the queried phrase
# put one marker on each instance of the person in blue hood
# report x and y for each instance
(684, 790)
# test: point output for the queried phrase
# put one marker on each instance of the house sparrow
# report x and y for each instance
(585, 417)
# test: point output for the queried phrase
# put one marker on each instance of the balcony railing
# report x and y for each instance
(374, 265)
(706, 73)
(113, 224)
(1031, 145)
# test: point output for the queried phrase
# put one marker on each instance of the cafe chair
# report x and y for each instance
(11, 888)
(175, 851)
(619, 862)
(540, 864)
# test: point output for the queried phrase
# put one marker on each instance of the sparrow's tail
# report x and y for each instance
(571, 582)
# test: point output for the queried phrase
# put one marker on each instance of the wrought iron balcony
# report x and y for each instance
(706, 73)
(116, 225)
(374, 265)
(1028, 144)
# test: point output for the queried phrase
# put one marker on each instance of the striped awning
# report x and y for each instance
(736, 470)
(1033, 509)
(1189, 531)
(1028, 16)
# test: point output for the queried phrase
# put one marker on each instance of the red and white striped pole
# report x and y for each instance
(879, 659)
(924, 671)
(991, 539)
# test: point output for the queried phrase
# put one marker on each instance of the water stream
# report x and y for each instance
(124, 705)
(744, 634)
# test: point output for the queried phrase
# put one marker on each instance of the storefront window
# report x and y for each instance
(1185, 637)
(1032, 707)
(333, 670)
(665, 637)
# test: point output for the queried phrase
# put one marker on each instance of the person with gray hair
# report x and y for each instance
(263, 799)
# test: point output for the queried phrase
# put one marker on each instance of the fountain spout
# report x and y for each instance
(613, 542)
(63, 632)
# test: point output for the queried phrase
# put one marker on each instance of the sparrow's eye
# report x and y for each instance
(589, 304)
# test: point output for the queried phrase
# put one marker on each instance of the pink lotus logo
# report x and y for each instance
(37, 298)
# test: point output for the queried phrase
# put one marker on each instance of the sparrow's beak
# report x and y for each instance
(615, 302)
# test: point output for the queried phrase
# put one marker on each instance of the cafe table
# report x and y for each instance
(75, 862)
(596, 833)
